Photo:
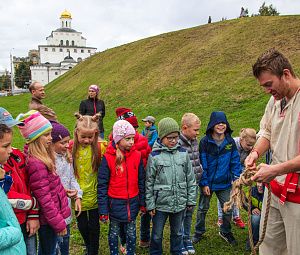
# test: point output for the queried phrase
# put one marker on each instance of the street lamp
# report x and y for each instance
(48, 66)
(11, 72)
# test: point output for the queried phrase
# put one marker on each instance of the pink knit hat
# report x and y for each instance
(35, 125)
(121, 129)
(95, 88)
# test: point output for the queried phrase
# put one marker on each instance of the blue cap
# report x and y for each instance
(7, 119)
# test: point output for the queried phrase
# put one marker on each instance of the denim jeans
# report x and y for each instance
(89, 228)
(159, 221)
(47, 240)
(187, 224)
(31, 242)
(145, 227)
(63, 243)
(235, 210)
(204, 202)
(113, 236)
(255, 221)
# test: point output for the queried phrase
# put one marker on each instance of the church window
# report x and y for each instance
(46, 49)
(79, 59)
(82, 51)
(67, 42)
(53, 49)
(61, 50)
(66, 24)
(68, 50)
(61, 42)
(75, 50)
(70, 67)
(73, 43)
(56, 73)
(89, 51)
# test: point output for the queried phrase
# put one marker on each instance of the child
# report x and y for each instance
(44, 183)
(150, 131)
(257, 193)
(86, 160)
(60, 143)
(24, 204)
(121, 186)
(11, 238)
(170, 186)
(244, 144)
(141, 145)
(221, 165)
(190, 126)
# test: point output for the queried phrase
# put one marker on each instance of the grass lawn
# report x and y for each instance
(211, 244)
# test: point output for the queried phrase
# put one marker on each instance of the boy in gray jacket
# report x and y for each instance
(170, 186)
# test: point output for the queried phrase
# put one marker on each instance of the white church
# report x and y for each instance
(65, 48)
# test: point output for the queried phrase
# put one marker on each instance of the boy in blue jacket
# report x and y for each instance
(150, 131)
(221, 166)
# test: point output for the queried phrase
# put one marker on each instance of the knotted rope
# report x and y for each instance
(238, 198)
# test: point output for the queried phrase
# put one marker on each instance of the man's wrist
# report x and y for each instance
(255, 151)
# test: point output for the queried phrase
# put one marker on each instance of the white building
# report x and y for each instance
(64, 49)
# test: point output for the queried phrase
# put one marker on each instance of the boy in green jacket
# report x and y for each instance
(170, 186)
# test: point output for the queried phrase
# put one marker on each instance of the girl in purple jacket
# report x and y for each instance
(44, 182)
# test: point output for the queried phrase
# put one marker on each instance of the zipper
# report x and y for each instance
(128, 205)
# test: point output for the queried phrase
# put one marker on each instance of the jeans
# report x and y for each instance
(47, 240)
(159, 221)
(63, 243)
(187, 224)
(204, 202)
(31, 242)
(255, 220)
(145, 227)
(235, 210)
(113, 236)
(89, 228)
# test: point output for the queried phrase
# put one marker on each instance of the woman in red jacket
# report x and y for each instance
(44, 183)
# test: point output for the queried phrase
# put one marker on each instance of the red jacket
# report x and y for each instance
(19, 196)
(120, 194)
(50, 193)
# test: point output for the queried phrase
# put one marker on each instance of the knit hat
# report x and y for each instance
(150, 119)
(95, 88)
(58, 132)
(127, 114)
(7, 119)
(167, 126)
(35, 125)
(121, 129)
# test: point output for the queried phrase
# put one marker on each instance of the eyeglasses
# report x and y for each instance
(172, 138)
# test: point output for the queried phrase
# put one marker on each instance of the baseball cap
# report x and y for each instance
(7, 119)
(149, 119)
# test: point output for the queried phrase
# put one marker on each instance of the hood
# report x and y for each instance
(216, 118)
(158, 146)
(153, 128)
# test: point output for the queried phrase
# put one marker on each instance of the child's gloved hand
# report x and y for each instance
(152, 213)
(190, 207)
(103, 218)
(143, 210)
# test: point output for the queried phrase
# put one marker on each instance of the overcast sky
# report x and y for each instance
(25, 24)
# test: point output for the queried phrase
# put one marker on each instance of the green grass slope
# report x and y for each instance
(198, 70)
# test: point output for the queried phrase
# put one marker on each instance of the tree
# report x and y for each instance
(266, 10)
(5, 82)
(22, 74)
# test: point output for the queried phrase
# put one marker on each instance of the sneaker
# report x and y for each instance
(196, 238)
(228, 237)
(220, 222)
(239, 222)
(184, 251)
(123, 249)
(144, 244)
(189, 247)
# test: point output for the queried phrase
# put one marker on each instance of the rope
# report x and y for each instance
(238, 198)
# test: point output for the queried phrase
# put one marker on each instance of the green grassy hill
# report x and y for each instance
(198, 70)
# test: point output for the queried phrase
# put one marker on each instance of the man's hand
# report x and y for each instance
(265, 173)
(256, 211)
(250, 161)
(206, 190)
(32, 226)
(152, 213)
(62, 233)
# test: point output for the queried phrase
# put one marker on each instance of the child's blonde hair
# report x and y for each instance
(91, 123)
(248, 134)
(119, 159)
(189, 118)
(39, 151)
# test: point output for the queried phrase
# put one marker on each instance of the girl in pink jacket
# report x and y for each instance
(44, 181)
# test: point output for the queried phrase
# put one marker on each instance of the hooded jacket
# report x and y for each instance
(151, 134)
(120, 194)
(221, 164)
(170, 181)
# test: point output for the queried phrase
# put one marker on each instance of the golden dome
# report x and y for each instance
(66, 14)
